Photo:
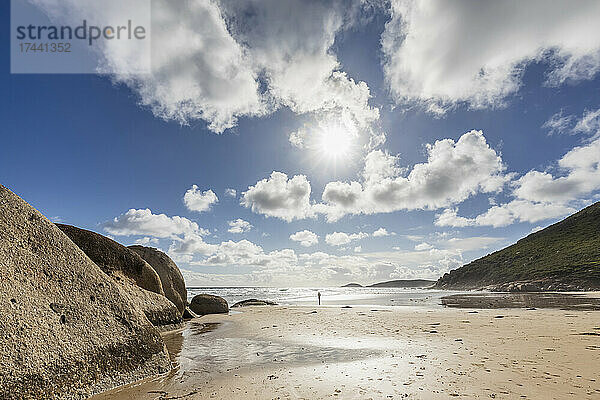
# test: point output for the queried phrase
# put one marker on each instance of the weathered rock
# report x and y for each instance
(254, 302)
(170, 276)
(114, 258)
(203, 304)
(66, 329)
(158, 309)
(130, 271)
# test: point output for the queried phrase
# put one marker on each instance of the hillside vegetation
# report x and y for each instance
(564, 256)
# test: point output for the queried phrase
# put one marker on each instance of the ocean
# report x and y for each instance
(330, 296)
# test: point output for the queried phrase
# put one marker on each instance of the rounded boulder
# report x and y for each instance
(203, 304)
(170, 275)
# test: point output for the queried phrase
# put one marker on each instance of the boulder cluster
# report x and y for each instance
(79, 312)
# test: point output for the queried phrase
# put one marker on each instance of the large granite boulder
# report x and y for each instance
(67, 330)
(170, 276)
(203, 304)
(114, 258)
(136, 277)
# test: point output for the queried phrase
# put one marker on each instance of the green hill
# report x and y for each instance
(564, 256)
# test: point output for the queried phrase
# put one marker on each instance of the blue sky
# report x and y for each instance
(490, 132)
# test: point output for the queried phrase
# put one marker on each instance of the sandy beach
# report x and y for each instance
(307, 352)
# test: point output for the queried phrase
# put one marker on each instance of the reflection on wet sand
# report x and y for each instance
(203, 351)
(363, 352)
(563, 301)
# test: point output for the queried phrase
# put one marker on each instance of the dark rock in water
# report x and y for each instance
(254, 302)
(189, 314)
(203, 304)
(67, 330)
(170, 276)
(353, 285)
(140, 282)
(114, 258)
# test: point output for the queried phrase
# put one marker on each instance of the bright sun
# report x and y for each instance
(334, 142)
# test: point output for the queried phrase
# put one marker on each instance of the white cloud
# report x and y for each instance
(453, 172)
(423, 246)
(305, 237)
(199, 71)
(143, 222)
(426, 59)
(239, 226)
(298, 138)
(340, 238)
(464, 244)
(280, 197)
(218, 61)
(540, 196)
(506, 214)
(558, 123)
(580, 169)
(285, 267)
(145, 241)
(536, 229)
(291, 43)
(196, 200)
(588, 124)
(383, 232)
(187, 236)
(230, 192)
(184, 249)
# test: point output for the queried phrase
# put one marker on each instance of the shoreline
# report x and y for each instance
(369, 352)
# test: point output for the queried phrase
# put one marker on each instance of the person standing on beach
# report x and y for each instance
(319, 297)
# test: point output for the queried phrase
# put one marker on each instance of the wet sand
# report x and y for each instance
(385, 352)
(587, 301)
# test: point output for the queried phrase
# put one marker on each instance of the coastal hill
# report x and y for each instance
(399, 283)
(405, 283)
(564, 256)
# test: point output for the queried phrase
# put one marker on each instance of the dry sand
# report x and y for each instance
(384, 352)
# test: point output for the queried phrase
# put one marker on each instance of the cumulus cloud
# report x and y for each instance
(290, 42)
(341, 238)
(187, 247)
(305, 237)
(230, 192)
(580, 175)
(218, 61)
(426, 59)
(187, 236)
(423, 246)
(278, 266)
(453, 172)
(540, 196)
(239, 226)
(145, 241)
(196, 200)
(278, 196)
(506, 214)
(144, 223)
(383, 232)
